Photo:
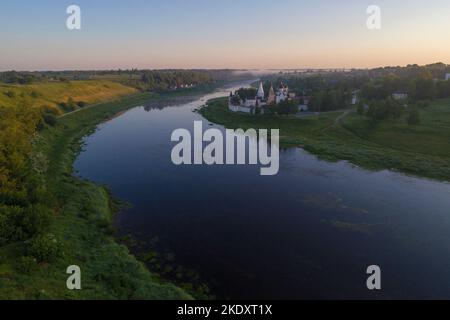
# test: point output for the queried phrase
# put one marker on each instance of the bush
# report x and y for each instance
(48, 109)
(71, 103)
(19, 224)
(81, 104)
(26, 265)
(360, 108)
(45, 248)
(423, 104)
(50, 119)
(68, 106)
(414, 117)
(6, 230)
(63, 106)
(285, 107)
(10, 94)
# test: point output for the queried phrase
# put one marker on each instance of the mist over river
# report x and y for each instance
(309, 232)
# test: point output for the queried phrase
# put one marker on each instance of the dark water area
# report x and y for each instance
(309, 232)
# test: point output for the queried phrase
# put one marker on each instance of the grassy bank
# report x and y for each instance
(51, 94)
(81, 221)
(419, 150)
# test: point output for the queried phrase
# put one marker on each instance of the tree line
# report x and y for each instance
(165, 80)
(422, 87)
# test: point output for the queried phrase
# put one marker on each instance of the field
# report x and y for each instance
(53, 93)
(422, 150)
(432, 137)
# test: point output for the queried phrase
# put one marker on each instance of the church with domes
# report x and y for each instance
(239, 102)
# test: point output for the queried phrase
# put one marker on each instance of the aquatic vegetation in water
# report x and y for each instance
(331, 201)
(364, 228)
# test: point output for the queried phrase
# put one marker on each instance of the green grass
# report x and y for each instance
(432, 137)
(52, 93)
(421, 151)
(82, 221)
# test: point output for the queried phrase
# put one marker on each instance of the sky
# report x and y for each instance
(238, 34)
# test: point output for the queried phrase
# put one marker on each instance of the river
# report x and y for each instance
(309, 232)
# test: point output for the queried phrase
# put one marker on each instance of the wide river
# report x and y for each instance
(309, 232)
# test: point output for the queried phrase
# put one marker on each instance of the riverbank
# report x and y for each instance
(82, 220)
(50, 95)
(420, 151)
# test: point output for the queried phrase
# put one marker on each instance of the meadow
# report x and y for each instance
(421, 150)
(51, 94)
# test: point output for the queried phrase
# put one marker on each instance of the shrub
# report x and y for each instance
(360, 108)
(10, 94)
(423, 104)
(81, 104)
(63, 106)
(49, 119)
(44, 248)
(49, 109)
(414, 117)
(19, 224)
(26, 265)
(68, 106)
(285, 107)
(6, 230)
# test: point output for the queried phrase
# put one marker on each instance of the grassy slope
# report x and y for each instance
(53, 93)
(423, 150)
(82, 221)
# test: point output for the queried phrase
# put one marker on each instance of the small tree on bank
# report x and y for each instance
(360, 108)
(414, 117)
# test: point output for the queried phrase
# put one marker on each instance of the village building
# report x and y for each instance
(447, 76)
(355, 99)
(271, 99)
(303, 107)
(247, 105)
(251, 104)
(303, 102)
(282, 93)
(400, 96)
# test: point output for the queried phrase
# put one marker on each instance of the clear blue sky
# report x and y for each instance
(221, 33)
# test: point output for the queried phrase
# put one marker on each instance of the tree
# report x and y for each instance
(50, 119)
(425, 89)
(414, 117)
(286, 107)
(246, 93)
(360, 109)
(394, 108)
(315, 103)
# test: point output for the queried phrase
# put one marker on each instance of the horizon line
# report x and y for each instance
(224, 69)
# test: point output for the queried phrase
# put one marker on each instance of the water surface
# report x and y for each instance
(309, 232)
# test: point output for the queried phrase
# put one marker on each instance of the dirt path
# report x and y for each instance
(88, 107)
(339, 119)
